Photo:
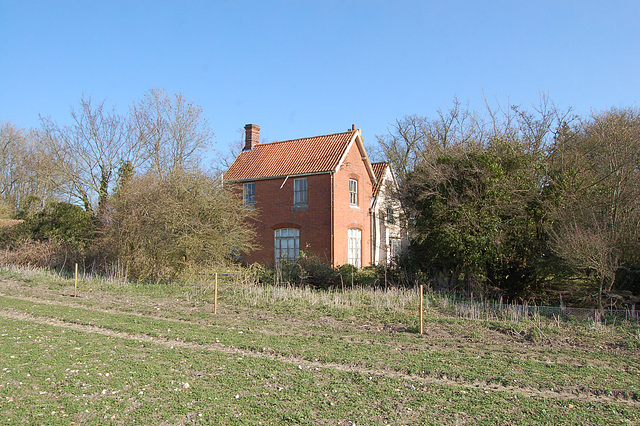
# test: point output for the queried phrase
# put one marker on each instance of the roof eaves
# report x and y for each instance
(365, 157)
(253, 179)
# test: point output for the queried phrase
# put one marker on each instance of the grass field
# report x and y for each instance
(125, 353)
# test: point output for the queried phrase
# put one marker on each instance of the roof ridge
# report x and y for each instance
(308, 137)
(305, 155)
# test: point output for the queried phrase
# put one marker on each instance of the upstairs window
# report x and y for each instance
(353, 192)
(391, 219)
(287, 244)
(300, 192)
(249, 195)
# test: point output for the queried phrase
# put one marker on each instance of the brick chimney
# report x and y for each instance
(252, 136)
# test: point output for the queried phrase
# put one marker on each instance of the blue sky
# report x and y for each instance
(303, 68)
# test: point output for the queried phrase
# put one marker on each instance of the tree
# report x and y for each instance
(26, 168)
(473, 187)
(90, 150)
(416, 140)
(171, 130)
(596, 174)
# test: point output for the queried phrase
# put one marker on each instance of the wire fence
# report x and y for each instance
(487, 309)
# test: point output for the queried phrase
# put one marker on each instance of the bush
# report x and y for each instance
(309, 270)
(62, 222)
(41, 254)
(159, 227)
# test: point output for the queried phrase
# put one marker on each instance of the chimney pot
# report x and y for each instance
(252, 136)
(353, 127)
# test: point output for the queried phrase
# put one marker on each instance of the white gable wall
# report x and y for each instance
(387, 238)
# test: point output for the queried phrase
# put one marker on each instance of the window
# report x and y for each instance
(355, 247)
(353, 192)
(391, 219)
(287, 244)
(300, 192)
(396, 246)
(249, 195)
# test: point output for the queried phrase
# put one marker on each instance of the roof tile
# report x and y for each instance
(293, 157)
(378, 171)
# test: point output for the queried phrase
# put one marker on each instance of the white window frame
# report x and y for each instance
(391, 217)
(353, 192)
(249, 195)
(355, 247)
(286, 244)
(395, 247)
(300, 193)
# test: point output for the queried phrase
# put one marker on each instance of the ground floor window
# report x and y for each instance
(396, 247)
(355, 247)
(287, 244)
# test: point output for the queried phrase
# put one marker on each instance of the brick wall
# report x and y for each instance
(275, 205)
(347, 216)
(274, 202)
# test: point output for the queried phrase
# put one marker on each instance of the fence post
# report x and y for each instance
(75, 285)
(421, 309)
(215, 295)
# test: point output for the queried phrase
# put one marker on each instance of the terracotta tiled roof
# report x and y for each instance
(378, 171)
(287, 158)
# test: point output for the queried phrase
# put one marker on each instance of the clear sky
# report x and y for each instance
(304, 68)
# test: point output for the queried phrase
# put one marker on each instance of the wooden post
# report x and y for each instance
(215, 295)
(75, 286)
(421, 309)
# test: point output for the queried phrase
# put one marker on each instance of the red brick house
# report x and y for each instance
(319, 194)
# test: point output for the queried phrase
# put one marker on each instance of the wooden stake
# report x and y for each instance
(75, 286)
(421, 310)
(215, 295)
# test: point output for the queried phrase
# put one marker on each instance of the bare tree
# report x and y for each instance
(416, 140)
(172, 131)
(596, 171)
(26, 168)
(89, 151)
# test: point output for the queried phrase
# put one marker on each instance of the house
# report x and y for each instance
(389, 231)
(319, 194)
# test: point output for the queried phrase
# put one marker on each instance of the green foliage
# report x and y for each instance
(476, 215)
(61, 222)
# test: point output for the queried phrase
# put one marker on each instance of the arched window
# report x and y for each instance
(287, 244)
(355, 247)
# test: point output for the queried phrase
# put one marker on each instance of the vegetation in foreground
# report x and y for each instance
(125, 353)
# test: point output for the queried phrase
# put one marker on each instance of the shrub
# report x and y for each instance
(159, 227)
(309, 270)
(65, 225)
(43, 254)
